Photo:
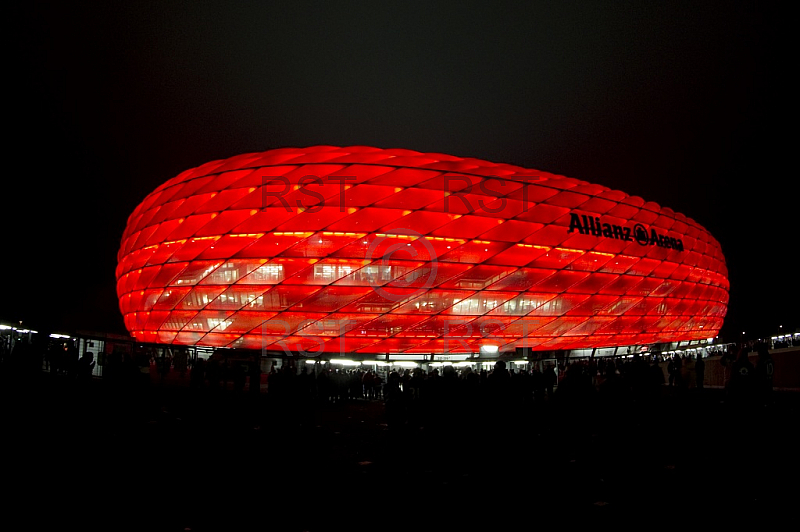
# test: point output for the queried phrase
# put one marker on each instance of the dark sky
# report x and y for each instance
(681, 103)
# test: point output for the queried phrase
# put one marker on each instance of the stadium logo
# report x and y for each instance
(587, 225)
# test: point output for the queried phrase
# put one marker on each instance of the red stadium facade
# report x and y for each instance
(370, 251)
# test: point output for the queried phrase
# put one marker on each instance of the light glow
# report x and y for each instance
(394, 270)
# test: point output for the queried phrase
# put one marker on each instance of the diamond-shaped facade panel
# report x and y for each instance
(368, 250)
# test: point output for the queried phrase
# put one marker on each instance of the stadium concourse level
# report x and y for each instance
(531, 379)
(98, 354)
(104, 355)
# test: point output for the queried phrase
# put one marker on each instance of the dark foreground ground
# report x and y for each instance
(101, 458)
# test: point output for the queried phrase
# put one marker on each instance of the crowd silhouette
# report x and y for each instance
(576, 392)
(439, 430)
(446, 398)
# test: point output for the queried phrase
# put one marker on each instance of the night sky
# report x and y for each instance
(681, 103)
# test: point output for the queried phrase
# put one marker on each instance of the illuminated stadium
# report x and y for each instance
(367, 251)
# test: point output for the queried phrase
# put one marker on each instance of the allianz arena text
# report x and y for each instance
(374, 251)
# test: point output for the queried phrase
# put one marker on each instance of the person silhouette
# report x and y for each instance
(71, 359)
(499, 384)
(764, 374)
(550, 380)
(700, 371)
(197, 374)
(740, 387)
(498, 395)
(679, 380)
(393, 400)
(85, 366)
